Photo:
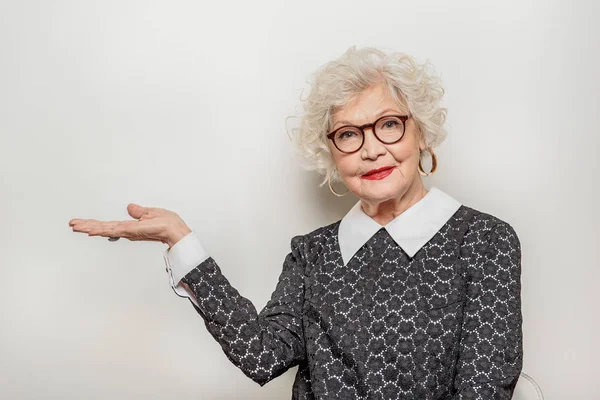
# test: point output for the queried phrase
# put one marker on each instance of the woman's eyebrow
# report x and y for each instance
(376, 116)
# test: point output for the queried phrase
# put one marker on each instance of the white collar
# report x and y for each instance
(411, 230)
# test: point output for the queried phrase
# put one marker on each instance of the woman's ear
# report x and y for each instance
(420, 135)
(422, 144)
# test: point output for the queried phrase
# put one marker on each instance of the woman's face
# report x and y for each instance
(403, 156)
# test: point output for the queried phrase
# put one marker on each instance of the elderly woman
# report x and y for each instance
(411, 295)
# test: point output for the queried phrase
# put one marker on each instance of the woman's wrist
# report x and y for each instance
(178, 231)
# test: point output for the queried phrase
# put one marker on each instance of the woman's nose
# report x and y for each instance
(372, 147)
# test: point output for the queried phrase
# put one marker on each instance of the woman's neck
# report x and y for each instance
(384, 212)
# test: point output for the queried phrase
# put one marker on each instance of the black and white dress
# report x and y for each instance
(427, 307)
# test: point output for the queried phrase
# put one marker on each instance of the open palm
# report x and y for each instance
(150, 224)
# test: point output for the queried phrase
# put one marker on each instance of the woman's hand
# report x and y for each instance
(151, 224)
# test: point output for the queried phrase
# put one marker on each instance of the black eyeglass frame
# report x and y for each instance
(371, 125)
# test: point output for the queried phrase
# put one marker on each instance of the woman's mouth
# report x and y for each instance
(378, 174)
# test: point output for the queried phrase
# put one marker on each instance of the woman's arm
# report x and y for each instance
(263, 345)
(491, 348)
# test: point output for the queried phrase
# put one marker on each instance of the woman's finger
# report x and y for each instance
(84, 225)
(139, 212)
(107, 228)
(93, 227)
(154, 225)
(127, 229)
(151, 230)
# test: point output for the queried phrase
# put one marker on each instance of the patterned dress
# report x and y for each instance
(439, 321)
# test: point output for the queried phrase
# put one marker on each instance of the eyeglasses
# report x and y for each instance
(388, 129)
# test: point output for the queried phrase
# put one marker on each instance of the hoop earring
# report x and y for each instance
(433, 163)
(333, 191)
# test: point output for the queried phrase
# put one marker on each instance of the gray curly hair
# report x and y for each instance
(337, 82)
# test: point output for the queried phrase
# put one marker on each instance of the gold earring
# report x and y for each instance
(433, 163)
(333, 191)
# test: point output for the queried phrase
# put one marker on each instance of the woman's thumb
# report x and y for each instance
(135, 210)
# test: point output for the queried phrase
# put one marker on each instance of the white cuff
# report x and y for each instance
(181, 258)
(184, 256)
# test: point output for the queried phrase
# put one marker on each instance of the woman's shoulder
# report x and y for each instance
(317, 237)
(482, 224)
(322, 232)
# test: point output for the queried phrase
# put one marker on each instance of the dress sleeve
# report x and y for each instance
(491, 348)
(263, 345)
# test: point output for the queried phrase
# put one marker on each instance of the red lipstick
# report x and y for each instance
(379, 173)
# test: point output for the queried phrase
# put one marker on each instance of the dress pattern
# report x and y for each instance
(443, 324)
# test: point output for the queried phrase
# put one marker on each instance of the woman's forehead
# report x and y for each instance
(367, 104)
(363, 112)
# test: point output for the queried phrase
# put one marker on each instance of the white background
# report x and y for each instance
(181, 105)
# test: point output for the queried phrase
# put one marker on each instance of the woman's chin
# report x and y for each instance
(379, 194)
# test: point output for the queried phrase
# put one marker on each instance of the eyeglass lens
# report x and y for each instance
(387, 130)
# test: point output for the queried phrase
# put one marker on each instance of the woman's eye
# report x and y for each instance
(346, 134)
(390, 124)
